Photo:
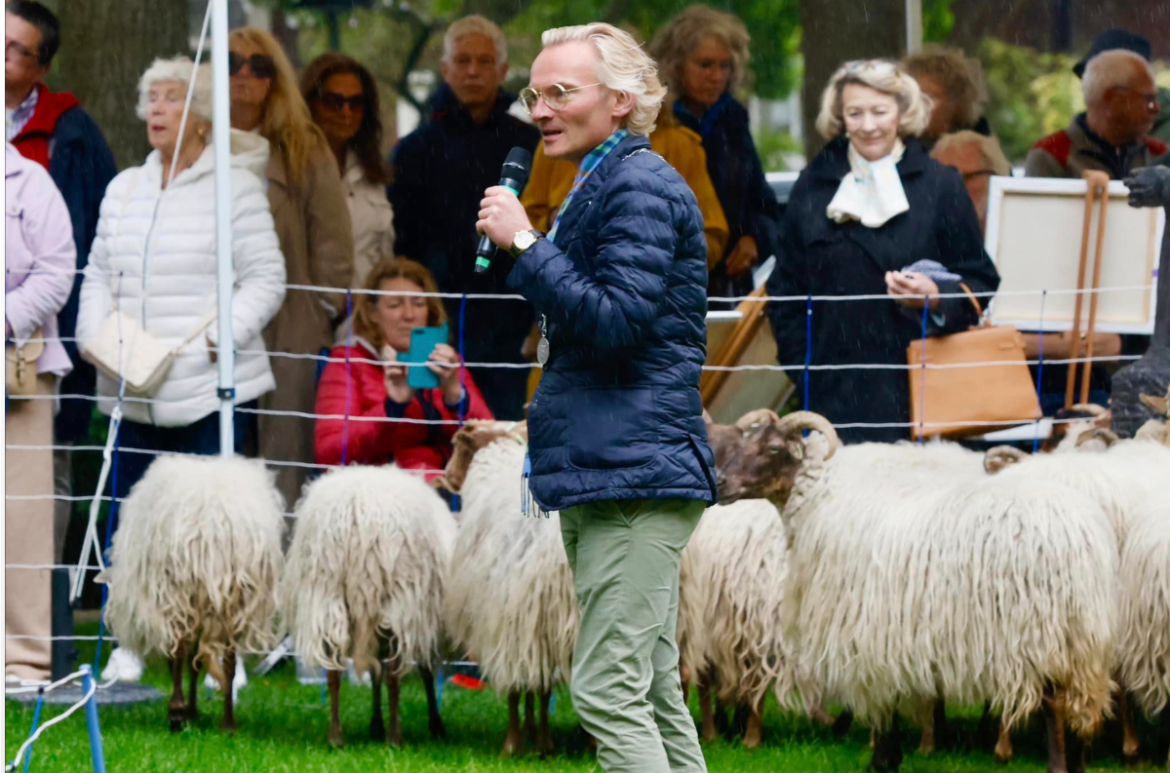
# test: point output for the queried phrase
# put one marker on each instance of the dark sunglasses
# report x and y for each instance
(336, 102)
(261, 65)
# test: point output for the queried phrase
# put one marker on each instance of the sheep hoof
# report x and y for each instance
(377, 731)
(336, 740)
(1131, 759)
(437, 729)
(751, 740)
(511, 748)
(176, 725)
(821, 717)
(1002, 759)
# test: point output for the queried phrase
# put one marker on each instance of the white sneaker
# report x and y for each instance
(365, 680)
(124, 665)
(239, 682)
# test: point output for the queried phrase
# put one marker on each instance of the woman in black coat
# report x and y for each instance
(702, 54)
(873, 215)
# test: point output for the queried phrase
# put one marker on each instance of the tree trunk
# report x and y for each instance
(103, 56)
(839, 30)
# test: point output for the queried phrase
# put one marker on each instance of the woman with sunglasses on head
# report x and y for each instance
(313, 222)
(702, 55)
(343, 98)
(873, 215)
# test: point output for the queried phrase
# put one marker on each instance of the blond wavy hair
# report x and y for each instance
(682, 35)
(622, 66)
(880, 75)
(287, 122)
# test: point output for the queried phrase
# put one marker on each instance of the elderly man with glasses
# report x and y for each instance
(440, 173)
(616, 434)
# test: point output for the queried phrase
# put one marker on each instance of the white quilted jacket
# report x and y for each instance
(163, 244)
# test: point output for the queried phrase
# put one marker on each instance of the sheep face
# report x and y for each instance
(1072, 423)
(474, 436)
(761, 456)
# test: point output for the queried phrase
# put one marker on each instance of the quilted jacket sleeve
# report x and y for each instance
(613, 307)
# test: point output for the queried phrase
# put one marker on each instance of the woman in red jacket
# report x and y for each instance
(367, 384)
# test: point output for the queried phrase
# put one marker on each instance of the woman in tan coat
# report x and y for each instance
(316, 237)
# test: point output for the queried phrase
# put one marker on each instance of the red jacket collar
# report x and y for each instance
(50, 108)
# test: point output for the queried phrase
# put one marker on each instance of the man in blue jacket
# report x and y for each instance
(617, 439)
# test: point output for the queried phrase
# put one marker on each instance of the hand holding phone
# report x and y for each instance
(423, 341)
(394, 377)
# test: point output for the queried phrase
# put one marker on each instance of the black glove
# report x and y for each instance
(1149, 187)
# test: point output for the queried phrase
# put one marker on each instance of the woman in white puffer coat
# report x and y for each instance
(155, 254)
(155, 257)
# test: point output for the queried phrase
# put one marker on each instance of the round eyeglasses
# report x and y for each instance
(555, 96)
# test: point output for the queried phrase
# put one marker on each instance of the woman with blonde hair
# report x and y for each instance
(702, 55)
(873, 214)
(363, 380)
(316, 237)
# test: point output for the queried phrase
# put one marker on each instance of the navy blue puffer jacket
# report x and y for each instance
(618, 414)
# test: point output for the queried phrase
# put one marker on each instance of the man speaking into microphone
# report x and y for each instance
(617, 440)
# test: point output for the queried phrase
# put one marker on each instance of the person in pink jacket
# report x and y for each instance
(364, 382)
(39, 261)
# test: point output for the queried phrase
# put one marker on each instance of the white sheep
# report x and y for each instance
(365, 580)
(906, 586)
(511, 602)
(194, 568)
(1121, 480)
(1144, 639)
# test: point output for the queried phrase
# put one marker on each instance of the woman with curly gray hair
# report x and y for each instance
(702, 55)
(871, 215)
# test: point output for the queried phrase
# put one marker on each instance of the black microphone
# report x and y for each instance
(513, 177)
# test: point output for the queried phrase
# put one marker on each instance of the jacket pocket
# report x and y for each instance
(613, 428)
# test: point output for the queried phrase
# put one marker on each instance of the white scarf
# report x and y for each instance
(872, 191)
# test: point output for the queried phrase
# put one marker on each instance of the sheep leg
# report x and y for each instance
(754, 732)
(377, 723)
(684, 677)
(434, 718)
(393, 685)
(887, 749)
(710, 733)
(1130, 745)
(336, 737)
(192, 689)
(1003, 746)
(530, 718)
(926, 744)
(177, 708)
(1054, 722)
(513, 742)
(843, 724)
(817, 714)
(1075, 748)
(940, 723)
(544, 742)
(229, 676)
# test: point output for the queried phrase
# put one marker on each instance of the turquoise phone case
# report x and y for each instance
(423, 341)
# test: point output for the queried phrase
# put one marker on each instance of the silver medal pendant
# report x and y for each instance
(542, 347)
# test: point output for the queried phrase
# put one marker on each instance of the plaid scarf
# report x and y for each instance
(591, 161)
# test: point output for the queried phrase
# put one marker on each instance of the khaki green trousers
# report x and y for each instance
(625, 682)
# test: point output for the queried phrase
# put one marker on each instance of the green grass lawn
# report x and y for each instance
(283, 726)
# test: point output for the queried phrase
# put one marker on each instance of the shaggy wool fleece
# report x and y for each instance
(511, 602)
(197, 558)
(907, 584)
(367, 569)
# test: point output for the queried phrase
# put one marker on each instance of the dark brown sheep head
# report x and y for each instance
(760, 456)
(471, 437)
